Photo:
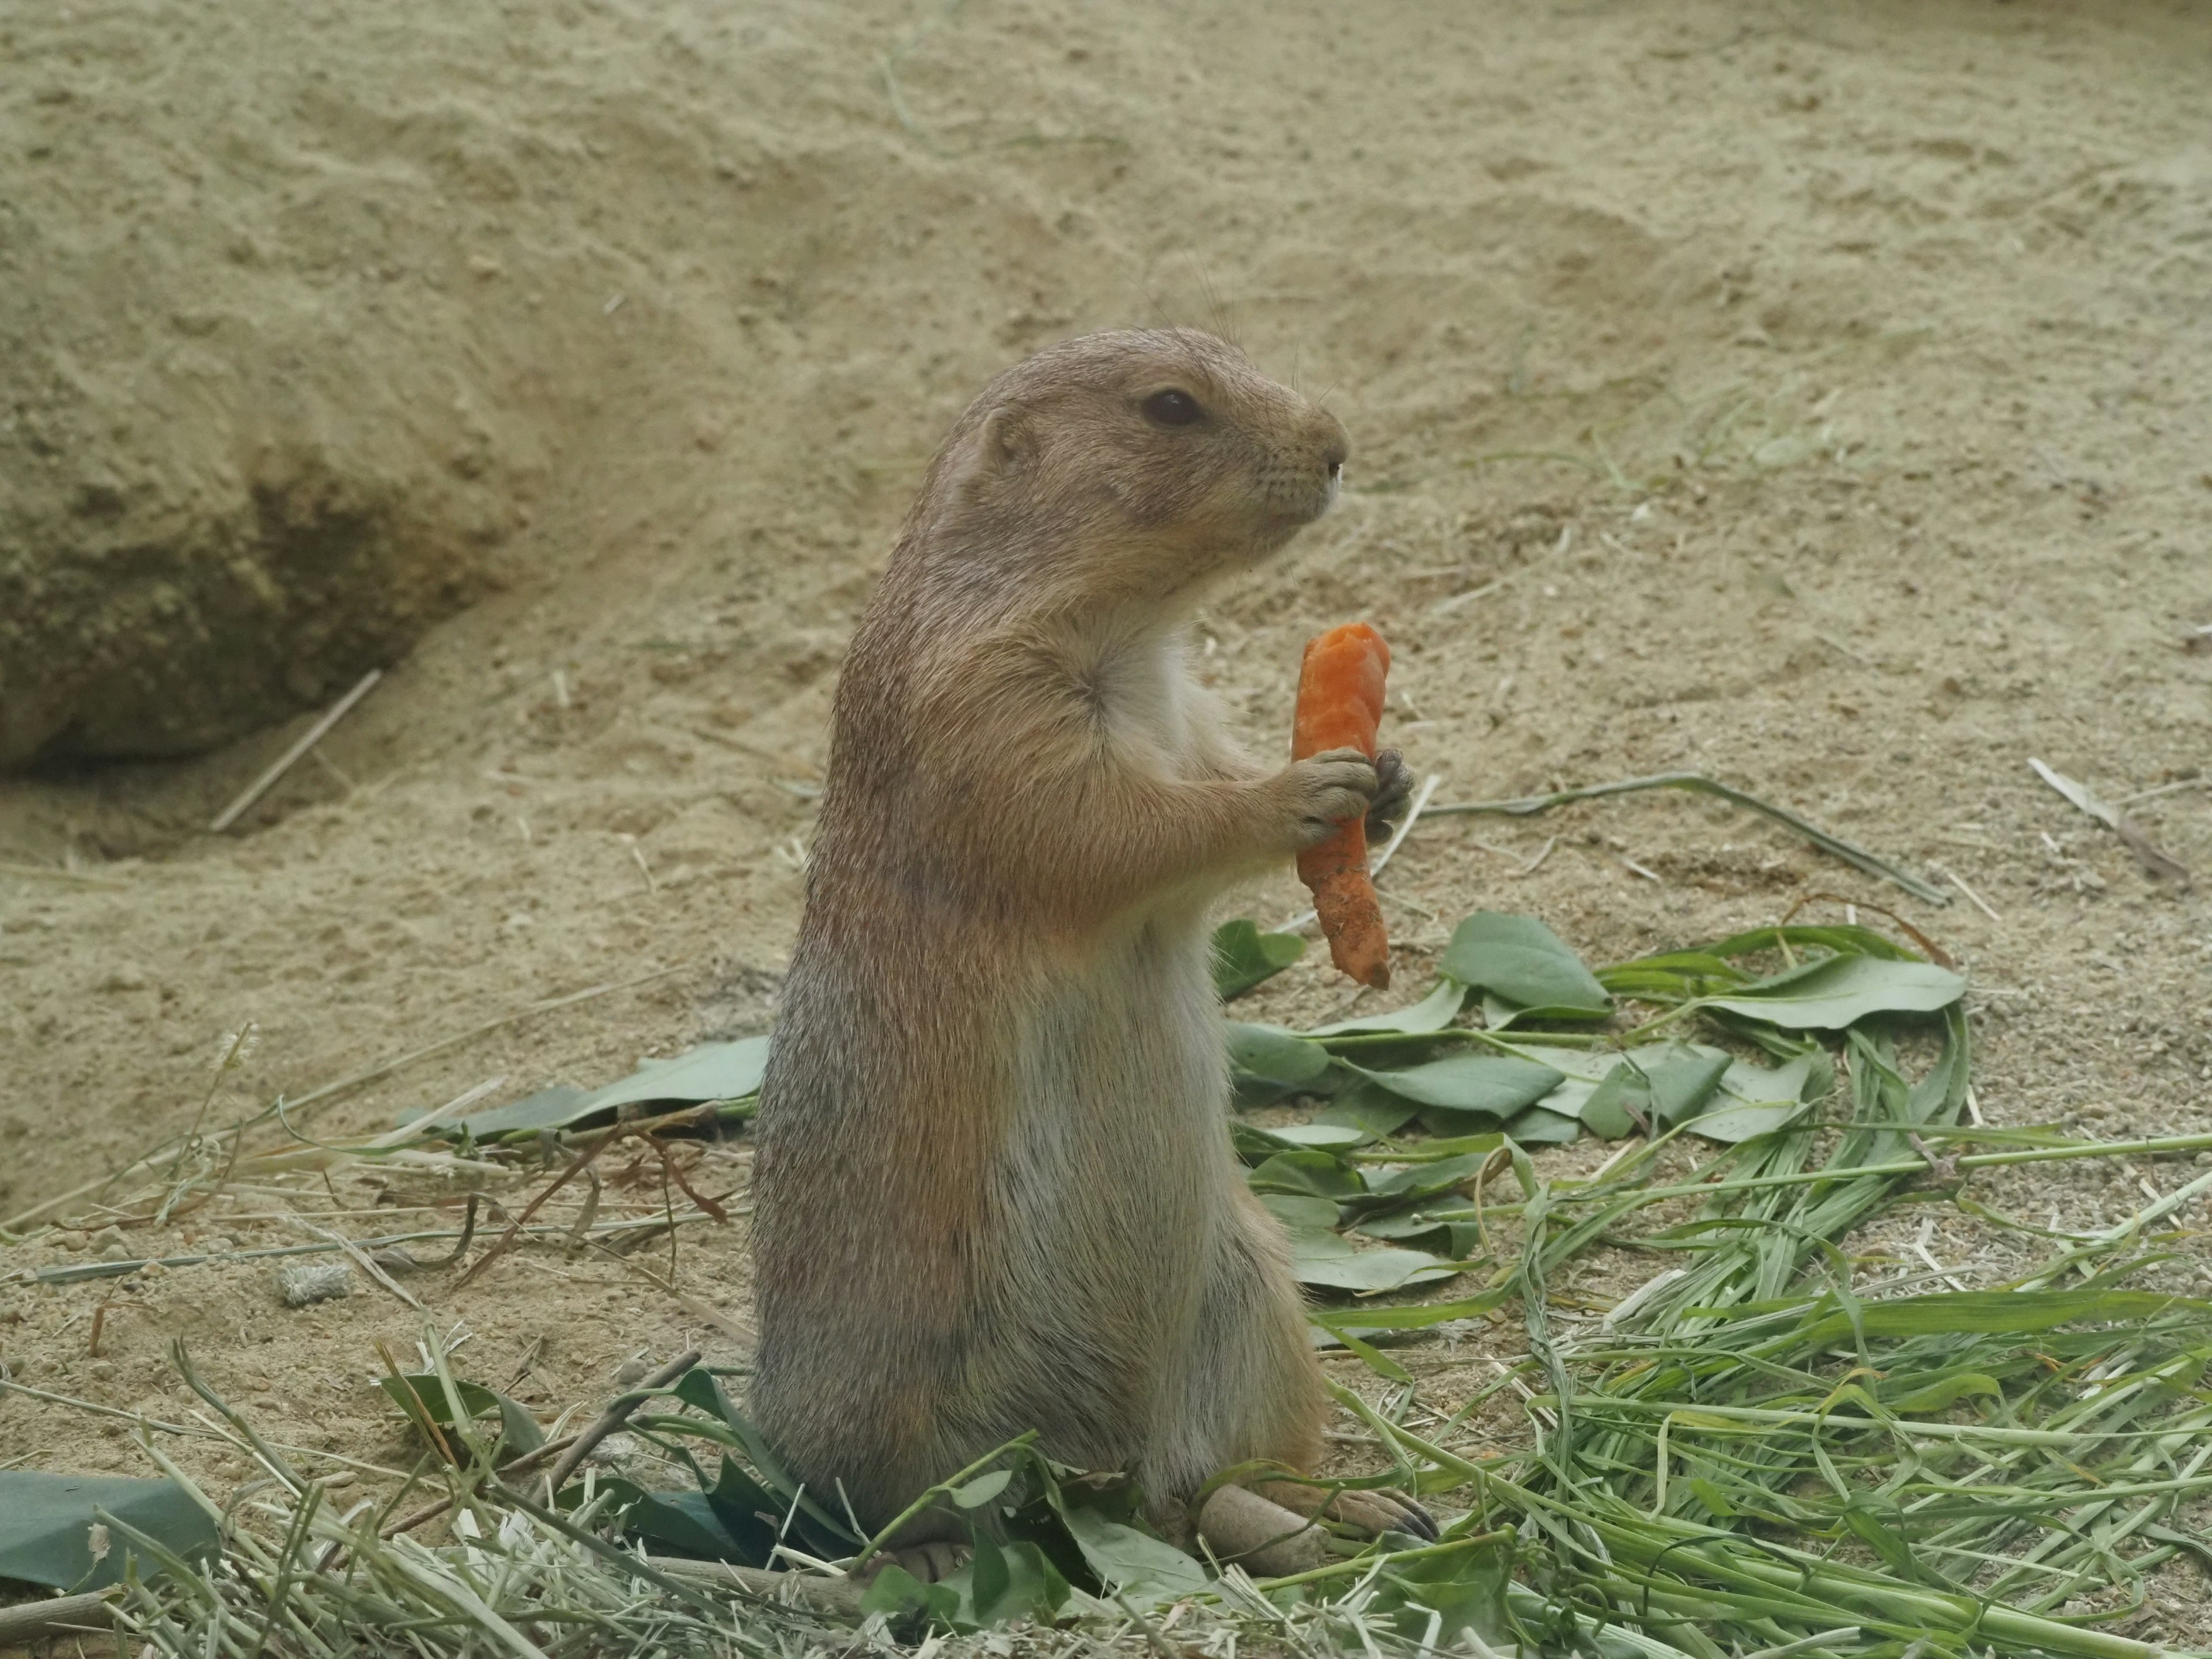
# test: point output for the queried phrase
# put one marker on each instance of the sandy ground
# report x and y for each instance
(1811, 395)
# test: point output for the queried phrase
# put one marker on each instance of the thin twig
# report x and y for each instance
(747, 1339)
(831, 1595)
(2155, 862)
(78, 1271)
(1958, 882)
(290, 757)
(572, 1450)
(506, 1240)
(1533, 864)
(603, 1140)
(468, 1233)
(676, 1173)
(59, 1616)
(613, 1417)
(1935, 952)
(271, 1459)
(1858, 857)
(2125, 800)
(56, 872)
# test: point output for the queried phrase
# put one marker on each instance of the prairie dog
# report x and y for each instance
(995, 1190)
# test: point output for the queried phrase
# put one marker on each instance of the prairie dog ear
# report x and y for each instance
(996, 457)
(1005, 443)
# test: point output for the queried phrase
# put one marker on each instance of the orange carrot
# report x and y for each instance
(1340, 705)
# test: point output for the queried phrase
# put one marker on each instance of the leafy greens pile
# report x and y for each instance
(1753, 1452)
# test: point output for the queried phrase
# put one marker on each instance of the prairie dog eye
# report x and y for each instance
(1173, 408)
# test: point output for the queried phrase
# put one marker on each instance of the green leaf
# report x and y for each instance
(1367, 1320)
(1942, 1394)
(1611, 1110)
(752, 1514)
(1419, 1181)
(1299, 1213)
(1498, 1014)
(1711, 1497)
(1313, 1175)
(1431, 1013)
(1371, 1357)
(1540, 1127)
(1267, 1054)
(1329, 1261)
(1244, 956)
(1581, 1070)
(1251, 1138)
(1435, 1601)
(1672, 976)
(1757, 1101)
(701, 1390)
(1471, 1082)
(2006, 1313)
(982, 1489)
(47, 1521)
(1661, 1083)
(422, 1396)
(1831, 993)
(1005, 1582)
(897, 1592)
(713, 1070)
(1844, 941)
(1520, 959)
(1371, 1109)
(1453, 1237)
(687, 1521)
(556, 1108)
(1147, 1570)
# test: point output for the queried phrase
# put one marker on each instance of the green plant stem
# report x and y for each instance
(1360, 1563)
(599, 1546)
(869, 1550)
(1764, 1417)
(1896, 1167)
(77, 1272)
(1803, 1578)
(1857, 857)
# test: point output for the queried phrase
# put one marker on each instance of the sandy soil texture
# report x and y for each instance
(1815, 397)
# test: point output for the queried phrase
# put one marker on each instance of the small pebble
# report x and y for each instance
(632, 1371)
(318, 1282)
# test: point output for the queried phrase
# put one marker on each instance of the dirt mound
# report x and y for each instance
(243, 456)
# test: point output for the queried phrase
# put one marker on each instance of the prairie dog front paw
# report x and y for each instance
(1324, 792)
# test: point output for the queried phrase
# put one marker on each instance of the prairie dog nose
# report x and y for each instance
(1335, 447)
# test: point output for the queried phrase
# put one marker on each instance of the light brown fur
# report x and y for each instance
(994, 1189)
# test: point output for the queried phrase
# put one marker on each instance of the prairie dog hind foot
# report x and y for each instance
(931, 1563)
(1273, 1533)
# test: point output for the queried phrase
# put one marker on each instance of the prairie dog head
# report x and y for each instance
(1128, 467)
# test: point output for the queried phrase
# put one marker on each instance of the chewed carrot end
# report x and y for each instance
(1341, 689)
